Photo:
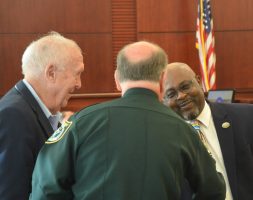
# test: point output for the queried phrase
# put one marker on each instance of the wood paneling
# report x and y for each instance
(123, 24)
(233, 61)
(244, 95)
(234, 65)
(98, 75)
(41, 16)
(87, 22)
(172, 25)
(101, 28)
(166, 15)
(180, 15)
(232, 14)
(99, 69)
(11, 50)
(179, 47)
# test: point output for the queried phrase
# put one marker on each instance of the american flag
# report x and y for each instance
(205, 45)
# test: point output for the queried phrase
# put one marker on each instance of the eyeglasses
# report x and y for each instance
(184, 87)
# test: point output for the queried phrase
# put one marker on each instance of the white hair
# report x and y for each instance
(52, 49)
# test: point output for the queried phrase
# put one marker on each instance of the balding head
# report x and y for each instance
(139, 51)
(176, 72)
(141, 61)
(182, 91)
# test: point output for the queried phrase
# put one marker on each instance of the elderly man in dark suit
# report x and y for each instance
(29, 112)
(227, 128)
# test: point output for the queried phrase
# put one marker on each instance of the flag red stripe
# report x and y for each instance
(205, 42)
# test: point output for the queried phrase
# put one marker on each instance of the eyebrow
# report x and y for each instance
(180, 84)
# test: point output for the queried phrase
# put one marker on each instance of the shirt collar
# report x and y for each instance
(205, 116)
(42, 105)
(140, 91)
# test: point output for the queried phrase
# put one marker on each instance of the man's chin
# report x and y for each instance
(188, 114)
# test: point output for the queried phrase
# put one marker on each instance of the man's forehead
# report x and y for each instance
(176, 78)
(177, 85)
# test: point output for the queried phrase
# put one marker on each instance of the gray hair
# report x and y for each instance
(149, 69)
(51, 49)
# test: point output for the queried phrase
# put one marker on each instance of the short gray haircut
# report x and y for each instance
(51, 49)
(148, 69)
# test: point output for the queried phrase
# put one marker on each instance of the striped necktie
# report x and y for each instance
(196, 125)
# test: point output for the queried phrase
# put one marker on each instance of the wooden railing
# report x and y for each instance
(79, 101)
(244, 95)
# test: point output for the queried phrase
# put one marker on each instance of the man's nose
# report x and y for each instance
(78, 83)
(181, 95)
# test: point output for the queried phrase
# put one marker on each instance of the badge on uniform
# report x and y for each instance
(59, 133)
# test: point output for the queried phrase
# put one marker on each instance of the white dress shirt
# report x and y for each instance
(208, 129)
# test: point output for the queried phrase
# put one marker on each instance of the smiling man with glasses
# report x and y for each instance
(182, 91)
(226, 127)
(184, 87)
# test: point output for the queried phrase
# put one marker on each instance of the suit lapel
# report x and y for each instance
(226, 140)
(43, 121)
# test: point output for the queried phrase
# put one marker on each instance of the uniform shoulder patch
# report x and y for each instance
(59, 133)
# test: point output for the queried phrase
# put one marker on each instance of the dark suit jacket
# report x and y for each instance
(236, 144)
(23, 130)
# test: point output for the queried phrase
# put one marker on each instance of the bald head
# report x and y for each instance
(177, 71)
(141, 61)
(180, 66)
(139, 51)
(182, 91)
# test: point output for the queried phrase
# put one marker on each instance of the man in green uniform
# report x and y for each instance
(131, 148)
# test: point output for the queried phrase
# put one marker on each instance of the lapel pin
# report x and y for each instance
(225, 125)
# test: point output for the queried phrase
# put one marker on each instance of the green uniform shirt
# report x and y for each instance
(132, 148)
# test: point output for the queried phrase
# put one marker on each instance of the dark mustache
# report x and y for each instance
(182, 102)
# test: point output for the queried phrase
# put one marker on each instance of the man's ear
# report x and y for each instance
(116, 78)
(161, 84)
(197, 77)
(50, 73)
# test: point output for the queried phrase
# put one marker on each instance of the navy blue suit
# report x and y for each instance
(236, 144)
(23, 130)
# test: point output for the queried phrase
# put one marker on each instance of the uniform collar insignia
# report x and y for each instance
(59, 133)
